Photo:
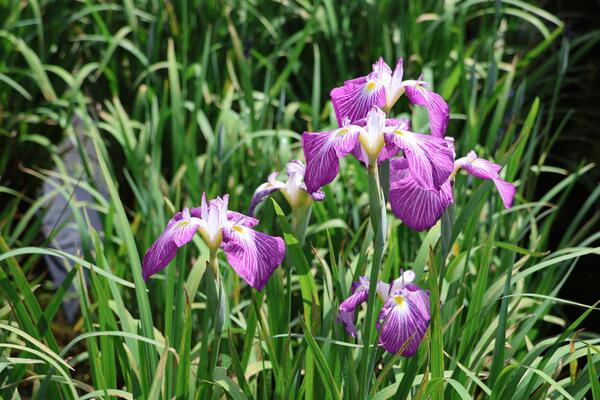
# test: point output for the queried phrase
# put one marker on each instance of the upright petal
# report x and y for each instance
(437, 108)
(357, 96)
(179, 232)
(401, 323)
(264, 190)
(322, 151)
(417, 207)
(430, 160)
(295, 167)
(395, 89)
(253, 255)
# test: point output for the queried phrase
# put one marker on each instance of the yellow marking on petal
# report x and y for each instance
(399, 300)
(371, 86)
(183, 223)
(238, 228)
(342, 131)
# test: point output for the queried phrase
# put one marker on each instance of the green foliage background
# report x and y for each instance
(180, 97)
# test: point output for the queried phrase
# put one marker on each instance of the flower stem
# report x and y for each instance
(378, 223)
(218, 303)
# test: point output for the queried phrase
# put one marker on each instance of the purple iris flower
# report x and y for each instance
(293, 189)
(383, 88)
(404, 317)
(420, 208)
(253, 255)
(374, 139)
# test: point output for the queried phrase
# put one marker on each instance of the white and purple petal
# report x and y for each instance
(264, 190)
(253, 255)
(430, 159)
(484, 169)
(394, 88)
(322, 151)
(359, 95)
(179, 231)
(437, 108)
(417, 207)
(401, 323)
(360, 293)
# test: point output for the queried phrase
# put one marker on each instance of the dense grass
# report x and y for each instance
(179, 98)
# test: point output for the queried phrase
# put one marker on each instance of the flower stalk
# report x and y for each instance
(378, 223)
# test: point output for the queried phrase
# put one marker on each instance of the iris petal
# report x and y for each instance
(253, 255)
(322, 151)
(484, 169)
(430, 159)
(417, 207)
(437, 108)
(357, 96)
(401, 324)
(265, 190)
(179, 231)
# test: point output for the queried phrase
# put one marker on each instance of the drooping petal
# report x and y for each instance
(359, 95)
(264, 190)
(437, 108)
(253, 255)
(400, 322)
(507, 192)
(430, 159)
(360, 292)
(417, 207)
(322, 151)
(179, 232)
(347, 318)
(420, 298)
(484, 169)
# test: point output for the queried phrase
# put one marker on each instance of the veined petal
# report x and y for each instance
(179, 232)
(322, 151)
(417, 207)
(360, 292)
(507, 192)
(420, 298)
(400, 322)
(264, 190)
(484, 169)
(437, 108)
(430, 159)
(236, 218)
(253, 255)
(356, 97)
(295, 167)
(395, 89)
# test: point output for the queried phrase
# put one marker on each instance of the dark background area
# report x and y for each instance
(580, 140)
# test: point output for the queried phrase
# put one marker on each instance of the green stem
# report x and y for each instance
(378, 223)
(215, 291)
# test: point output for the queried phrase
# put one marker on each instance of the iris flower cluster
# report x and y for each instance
(422, 171)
